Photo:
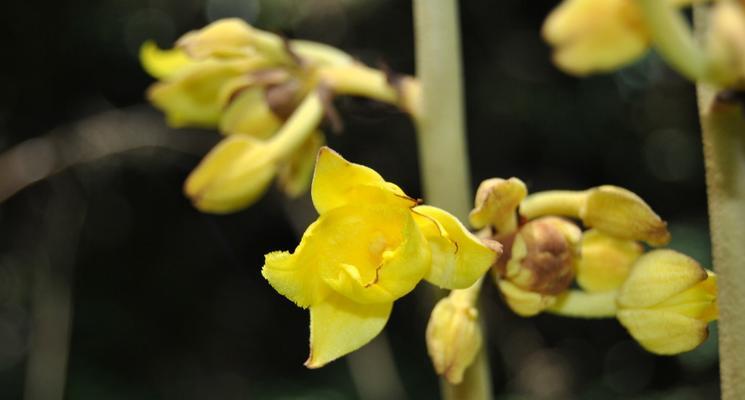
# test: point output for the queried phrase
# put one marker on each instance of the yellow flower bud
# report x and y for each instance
(496, 203)
(596, 35)
(235, 173)
(610, 209)
(605, 262)
(540, 265)
(667, 302)
(620, 213)
(543, 255)
(453, 336)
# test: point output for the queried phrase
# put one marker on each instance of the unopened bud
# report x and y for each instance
(606, 261)
(621, 213)
(667, 302)
(496, 204)
(543, 256)
(232, 175)
(453, 337)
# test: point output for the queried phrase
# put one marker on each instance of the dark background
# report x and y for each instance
(169, 303)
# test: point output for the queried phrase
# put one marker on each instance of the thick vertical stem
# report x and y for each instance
(442, 142)
(723, 128)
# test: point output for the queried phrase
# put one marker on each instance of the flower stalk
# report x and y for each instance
(442, 143)
(723, 131)
(672, 37)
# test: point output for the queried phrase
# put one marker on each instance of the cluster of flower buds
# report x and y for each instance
(268, 95)
(591, 36)
(664, 298)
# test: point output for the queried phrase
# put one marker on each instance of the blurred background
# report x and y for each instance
(113, 287)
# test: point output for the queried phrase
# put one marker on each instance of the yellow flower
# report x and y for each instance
(667, 302)
(370, 245)
(598, 35)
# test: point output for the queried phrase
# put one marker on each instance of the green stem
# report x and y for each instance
(442, 143)
(723, 131)
(553, 202)
(579, 304)
(673, 39)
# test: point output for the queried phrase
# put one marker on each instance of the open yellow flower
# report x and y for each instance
(370, 245)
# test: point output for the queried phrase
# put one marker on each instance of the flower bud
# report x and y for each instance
(667, 302)
(605, 262)
(619, 212)
(496, 203)
(234, 174)
(453, 337)
(541, 264)
(543, 255)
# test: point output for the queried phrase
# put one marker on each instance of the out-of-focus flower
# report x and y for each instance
(453, 335)
(667, 302)
(370, 245)
(251, 83)
(725, 43)
(598, 35)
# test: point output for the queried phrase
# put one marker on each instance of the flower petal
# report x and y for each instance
(335, 177)
(249, 114)
(162, 64)
(229, 37)
(199, 92)
(664, 332)
(458, 257)
(523, 302)
(657, 276)
(374, 253)
(295, 275)
(233, 175)
(339, 326)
